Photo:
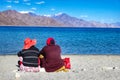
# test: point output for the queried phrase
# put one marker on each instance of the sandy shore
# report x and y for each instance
(84, 67)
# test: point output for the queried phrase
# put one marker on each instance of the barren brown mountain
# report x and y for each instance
(12, 17)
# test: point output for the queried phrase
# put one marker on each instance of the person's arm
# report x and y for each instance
(42, 59)
(59, 49)
(42, 52)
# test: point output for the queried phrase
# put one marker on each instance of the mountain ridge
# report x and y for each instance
(14, 18)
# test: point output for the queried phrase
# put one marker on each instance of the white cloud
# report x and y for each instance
(24, 12)
(9, 1)
(9, 6)
(47, 15)
(16, 1)
(52, 9)
(28, 3)
(26, 0)
(58, 14)
(34, 8)
(42, 2)
(83, 16)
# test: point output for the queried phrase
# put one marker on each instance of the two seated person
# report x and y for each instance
(31, 59)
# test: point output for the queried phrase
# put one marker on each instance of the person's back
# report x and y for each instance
(29, 56)
(52, 56)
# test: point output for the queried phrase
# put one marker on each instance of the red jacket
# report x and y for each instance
(52, 60)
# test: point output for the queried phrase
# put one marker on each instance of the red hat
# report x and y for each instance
(50, 41)
(28, 43)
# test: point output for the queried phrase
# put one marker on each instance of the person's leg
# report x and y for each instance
(62, 69)
(19, 63)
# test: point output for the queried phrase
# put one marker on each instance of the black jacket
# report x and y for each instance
(30, 56)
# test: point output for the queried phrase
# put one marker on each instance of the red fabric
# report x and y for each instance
(20, 62)
(48, 42)
(67, 63)
(28, 43)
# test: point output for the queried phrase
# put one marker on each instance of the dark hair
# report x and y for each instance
(52, 41)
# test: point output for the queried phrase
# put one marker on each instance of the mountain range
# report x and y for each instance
(14, 18)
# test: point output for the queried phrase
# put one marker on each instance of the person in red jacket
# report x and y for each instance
(50, 56)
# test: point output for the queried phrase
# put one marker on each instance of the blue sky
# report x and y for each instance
(97, 10)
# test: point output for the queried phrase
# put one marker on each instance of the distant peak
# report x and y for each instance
(10, 11)
(28, 12)
(59, 14)
(32, 14)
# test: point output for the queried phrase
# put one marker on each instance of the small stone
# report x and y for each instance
(113, 67)
(17, 75)
(83, 69)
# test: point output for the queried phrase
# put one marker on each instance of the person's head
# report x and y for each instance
(28, 43)
(50, 41)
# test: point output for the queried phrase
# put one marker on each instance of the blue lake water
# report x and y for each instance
(71, 40)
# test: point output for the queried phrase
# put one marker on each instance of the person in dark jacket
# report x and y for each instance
(50, 56)
(29, 60)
